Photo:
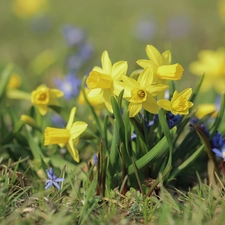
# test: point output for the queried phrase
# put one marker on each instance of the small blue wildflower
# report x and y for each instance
(220, 153)
(205, 129)
(52, 179)
(58, 121)
(155, 119)
(85, 51)
(70, 85)
(172, 120)
(145, 30)
(194, 120)
(73, 35)
(133, 136)
(217, 140)
(74, 62)
(95, 159)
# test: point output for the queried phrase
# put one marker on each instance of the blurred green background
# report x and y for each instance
(122, 27)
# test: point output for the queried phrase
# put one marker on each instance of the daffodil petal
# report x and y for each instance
(71, 118)
(119, 69)
(166, 58)
(72, 150)
(165, 104)
(77, 128)
(107, 100)
(106, 63)
(154, 55)
(151, 105)
(134, 108)
(145, 79)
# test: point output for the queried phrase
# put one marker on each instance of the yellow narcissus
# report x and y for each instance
(140, 93)
(161, 64)
(104, 81)
(68, 136)
(43, 97)
(179, 103)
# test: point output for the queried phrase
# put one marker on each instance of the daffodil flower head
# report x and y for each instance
(104, 81)
(161, 64)
(211, 63)
(43, 97)
(179, 103)
(141, 92)
(68, 136)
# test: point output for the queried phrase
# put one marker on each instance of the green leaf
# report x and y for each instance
(35, 149)
(219, 117)
(5, 76)
(155, 153)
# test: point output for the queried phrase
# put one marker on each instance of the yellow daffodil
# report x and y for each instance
(97, 102)
(212, 64)
(104, 81)
(68, 137)
(141, 92)
(179, 103)
(206, 109)
(43, 97)
(14, 81)
(161, 65)
(29, 8)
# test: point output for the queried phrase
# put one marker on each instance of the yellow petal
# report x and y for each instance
(77, 129)
(145, 79)
(150, 105)
(165, 104)
(204, 110)
(134, 108)
(144, 63)
(119, 69)
(72, 150)
(107, 94)
(166, 58)
(71, 118)
(106, 63)
(154, 55)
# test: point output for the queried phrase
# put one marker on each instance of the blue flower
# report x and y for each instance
(52, 179)
(217, 140)
(95, 159)
(220, 153)
(70, 85)
(73, 35)
(172, 120)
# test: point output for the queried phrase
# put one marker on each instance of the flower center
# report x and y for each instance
(138, 95)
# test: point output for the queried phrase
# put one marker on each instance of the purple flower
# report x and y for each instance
(217, 140)
(58, 121)
(220, 153)
(52, 179)
(85, 51)
(70, 85)
(145, 30)
(95, 159)
(172, 120)
(73, 35)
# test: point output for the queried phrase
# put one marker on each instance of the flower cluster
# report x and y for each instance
(145, 92)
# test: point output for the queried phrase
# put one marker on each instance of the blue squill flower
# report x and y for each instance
(172, 120)
(217, 140)
(70, 85)
(220, 152)
(95, 159)
(85, 51)
(52, 179)
(73, 35)
(74, 62)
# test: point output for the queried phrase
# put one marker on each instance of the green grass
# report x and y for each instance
(24, 201)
